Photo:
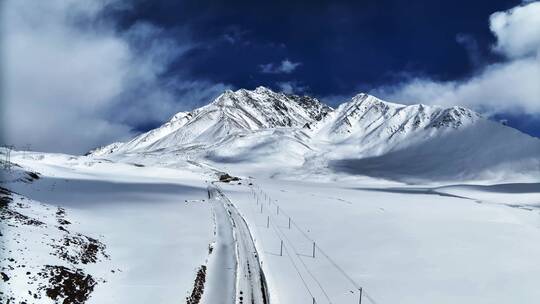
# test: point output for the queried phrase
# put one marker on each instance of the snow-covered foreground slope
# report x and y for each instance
(362, 137)
(400, 244)
(154, 225)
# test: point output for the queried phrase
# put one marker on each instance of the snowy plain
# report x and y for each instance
(400, 243)
(400, 246)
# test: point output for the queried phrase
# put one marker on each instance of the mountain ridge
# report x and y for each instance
(365, 135)
(231, 111)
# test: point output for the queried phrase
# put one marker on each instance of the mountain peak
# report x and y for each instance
(259, 94)
(257, 90)
(271, 103)
(262, 89)
(367, 99)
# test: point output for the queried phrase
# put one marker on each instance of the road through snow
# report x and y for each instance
(234, 272)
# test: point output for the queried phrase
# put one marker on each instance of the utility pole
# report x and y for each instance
(281, 249)
(7, 160)
(360, 299)
(313, 249)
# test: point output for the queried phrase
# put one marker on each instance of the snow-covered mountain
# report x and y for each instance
(375, 126)
(368, 117)
(230, 113)
(364, 136)
(418, 142)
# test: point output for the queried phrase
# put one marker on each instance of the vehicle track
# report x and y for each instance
(234, 274)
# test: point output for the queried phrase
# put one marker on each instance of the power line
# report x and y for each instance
(334, 263)
(291, 258)
(299, 258)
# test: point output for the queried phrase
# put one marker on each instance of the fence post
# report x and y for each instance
(281, 248)
(261, 208)
(268, 222)
(289, 223)
(360, 299)
(313, 249)
(277, 210)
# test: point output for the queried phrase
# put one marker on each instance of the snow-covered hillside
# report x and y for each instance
(368, 136)
(364, 136)
(377, 125)
(78, 230)
(230, 113)
(153, 228)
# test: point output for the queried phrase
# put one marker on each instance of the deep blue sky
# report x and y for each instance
(343, 47)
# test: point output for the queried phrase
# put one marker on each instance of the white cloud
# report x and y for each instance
(291, 87)
(286, 67)
(510, 86)
(73, 81)
(517, 30)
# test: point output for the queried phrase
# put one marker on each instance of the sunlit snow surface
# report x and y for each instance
(153, 222)
(400, 243)
(410, 204)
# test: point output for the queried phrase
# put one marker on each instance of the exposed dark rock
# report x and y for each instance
(198, 287)
(228, 178)
(67, 285)
(79, 249)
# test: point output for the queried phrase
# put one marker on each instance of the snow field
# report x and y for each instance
(400, 247)
(153, 221)
(401, 244)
